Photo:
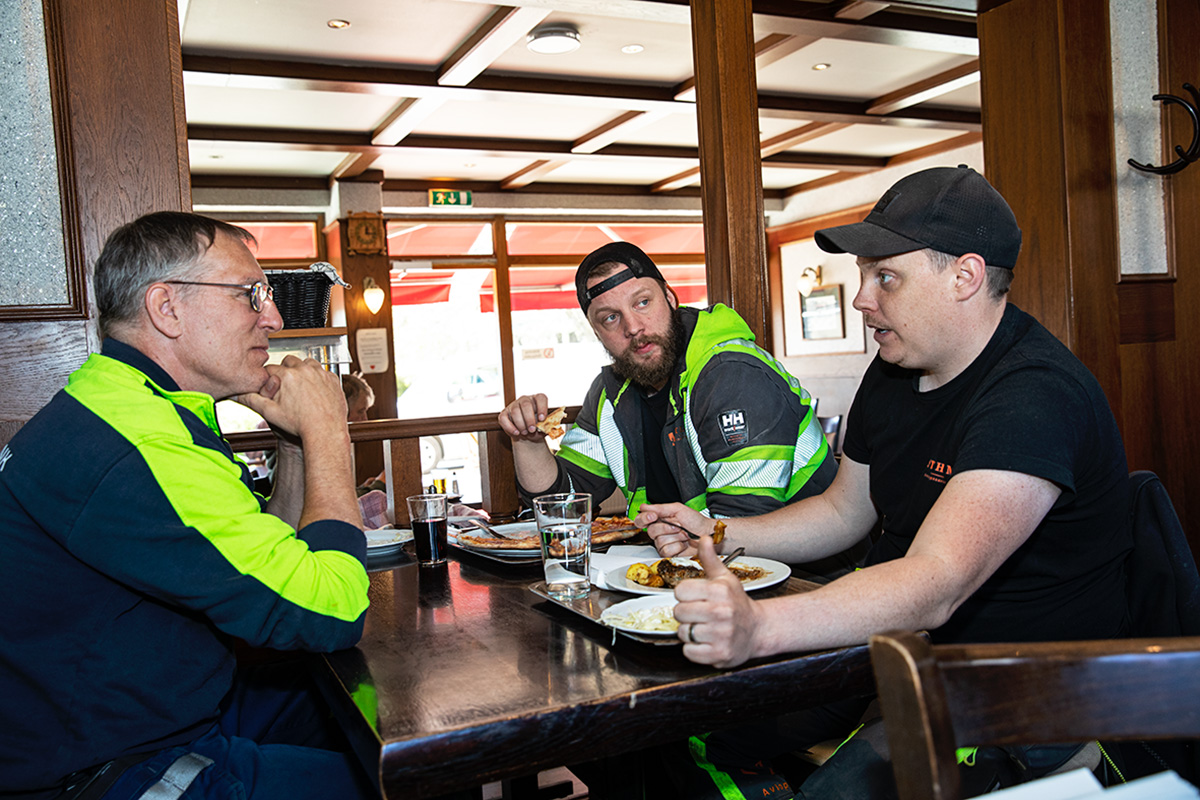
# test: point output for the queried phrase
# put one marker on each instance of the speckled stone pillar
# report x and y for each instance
(32, 264)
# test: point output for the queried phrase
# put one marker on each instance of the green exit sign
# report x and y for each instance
(449, 197)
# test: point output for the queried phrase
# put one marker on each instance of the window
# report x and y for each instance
(448, 324)
(283, 241)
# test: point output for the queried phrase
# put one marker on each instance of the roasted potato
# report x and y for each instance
(643, 574)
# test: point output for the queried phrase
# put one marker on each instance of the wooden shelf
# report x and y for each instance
(297, 333)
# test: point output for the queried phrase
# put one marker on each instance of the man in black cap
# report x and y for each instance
(984, 447)
(690, 411)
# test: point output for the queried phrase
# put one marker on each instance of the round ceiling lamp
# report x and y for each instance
(553, 40)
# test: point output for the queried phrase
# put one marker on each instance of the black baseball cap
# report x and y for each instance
(639, 264)
(949, 209)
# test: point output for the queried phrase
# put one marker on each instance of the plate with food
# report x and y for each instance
(515, 540)
(386, 540)
(520, 539)
(663, 575)
(647, 616)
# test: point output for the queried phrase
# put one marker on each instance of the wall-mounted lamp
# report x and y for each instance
(808, 280)
(372, 295)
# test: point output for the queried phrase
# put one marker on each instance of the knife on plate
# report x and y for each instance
(492, 531)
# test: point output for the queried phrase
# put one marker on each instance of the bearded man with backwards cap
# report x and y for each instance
(987, 452)
(691, 410)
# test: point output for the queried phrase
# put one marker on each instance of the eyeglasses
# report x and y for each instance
(258, 292)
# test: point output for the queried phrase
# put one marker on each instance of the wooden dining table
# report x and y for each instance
(465, 676)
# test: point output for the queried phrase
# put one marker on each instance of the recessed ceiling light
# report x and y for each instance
(338, 24)
(819, 67)
(632, 48)
(553, 39)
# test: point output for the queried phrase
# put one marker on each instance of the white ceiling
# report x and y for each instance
(273, 92)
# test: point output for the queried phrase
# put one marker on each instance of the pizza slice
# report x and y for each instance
(552, 424)
(531, 542)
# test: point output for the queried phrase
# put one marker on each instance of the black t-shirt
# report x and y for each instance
(660, 481)
(1027, 405)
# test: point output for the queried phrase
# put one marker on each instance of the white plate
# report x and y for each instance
(387, 539)
(777, 572)
(636, 604)
(512, 528)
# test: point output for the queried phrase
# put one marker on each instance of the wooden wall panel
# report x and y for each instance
(127, 127)
(1161, 378)
(369, 457)
(1047, 120)
(122, 152)
(1048, 147)
(730, 160)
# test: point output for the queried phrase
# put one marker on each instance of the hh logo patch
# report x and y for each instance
(733, 427)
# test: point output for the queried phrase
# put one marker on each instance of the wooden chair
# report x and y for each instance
(1164, 586)
(936, 698)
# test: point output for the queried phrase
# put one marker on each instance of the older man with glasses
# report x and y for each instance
(135, 552)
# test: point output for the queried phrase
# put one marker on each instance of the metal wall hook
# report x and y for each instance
(1190, 155)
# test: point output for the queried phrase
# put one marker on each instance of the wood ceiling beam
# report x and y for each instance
(677, 181)
(899, 159)
(504, 28)
(767, 50)
(924, 91)
(404, 117)
(614, 129)
(919, 32)
(304, 76)
(789, 139)
(530, 173)
(477, 147)
(352, 166)
(858, 9)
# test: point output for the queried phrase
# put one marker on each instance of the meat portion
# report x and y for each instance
(672, 574)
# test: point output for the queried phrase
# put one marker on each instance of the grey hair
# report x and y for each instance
(165, 245)
(998, 279)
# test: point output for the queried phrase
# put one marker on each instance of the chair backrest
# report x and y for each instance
(936, 698)
(832, 426)
(1163, 585)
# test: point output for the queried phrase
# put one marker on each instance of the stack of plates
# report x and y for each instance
(387, 541)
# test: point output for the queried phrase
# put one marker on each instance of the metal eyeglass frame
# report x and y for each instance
(258, 292)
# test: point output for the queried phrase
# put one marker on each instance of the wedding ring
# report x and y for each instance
(692, 633)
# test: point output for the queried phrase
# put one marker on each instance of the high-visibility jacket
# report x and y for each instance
(740, 436)
(132, 552)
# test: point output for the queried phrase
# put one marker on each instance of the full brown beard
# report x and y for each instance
(655, 374)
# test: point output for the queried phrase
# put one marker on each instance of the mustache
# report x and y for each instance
(642, 341)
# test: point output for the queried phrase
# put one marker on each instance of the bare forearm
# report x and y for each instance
(803, 531)
(897, 595)
(535, 465)
(287, 495)
(329, 479)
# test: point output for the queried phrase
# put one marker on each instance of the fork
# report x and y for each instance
(685, 530)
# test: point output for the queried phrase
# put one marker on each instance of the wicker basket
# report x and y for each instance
(302, 297)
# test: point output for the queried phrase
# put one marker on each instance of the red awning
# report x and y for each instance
(532, 287)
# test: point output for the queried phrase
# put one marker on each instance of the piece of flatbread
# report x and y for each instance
(496, 543)
(552, 424)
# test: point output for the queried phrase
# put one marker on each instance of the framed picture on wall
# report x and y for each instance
(821, 313)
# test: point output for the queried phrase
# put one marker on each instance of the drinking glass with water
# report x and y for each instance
(565, 526)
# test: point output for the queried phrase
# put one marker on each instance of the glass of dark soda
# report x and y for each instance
(428, 515)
